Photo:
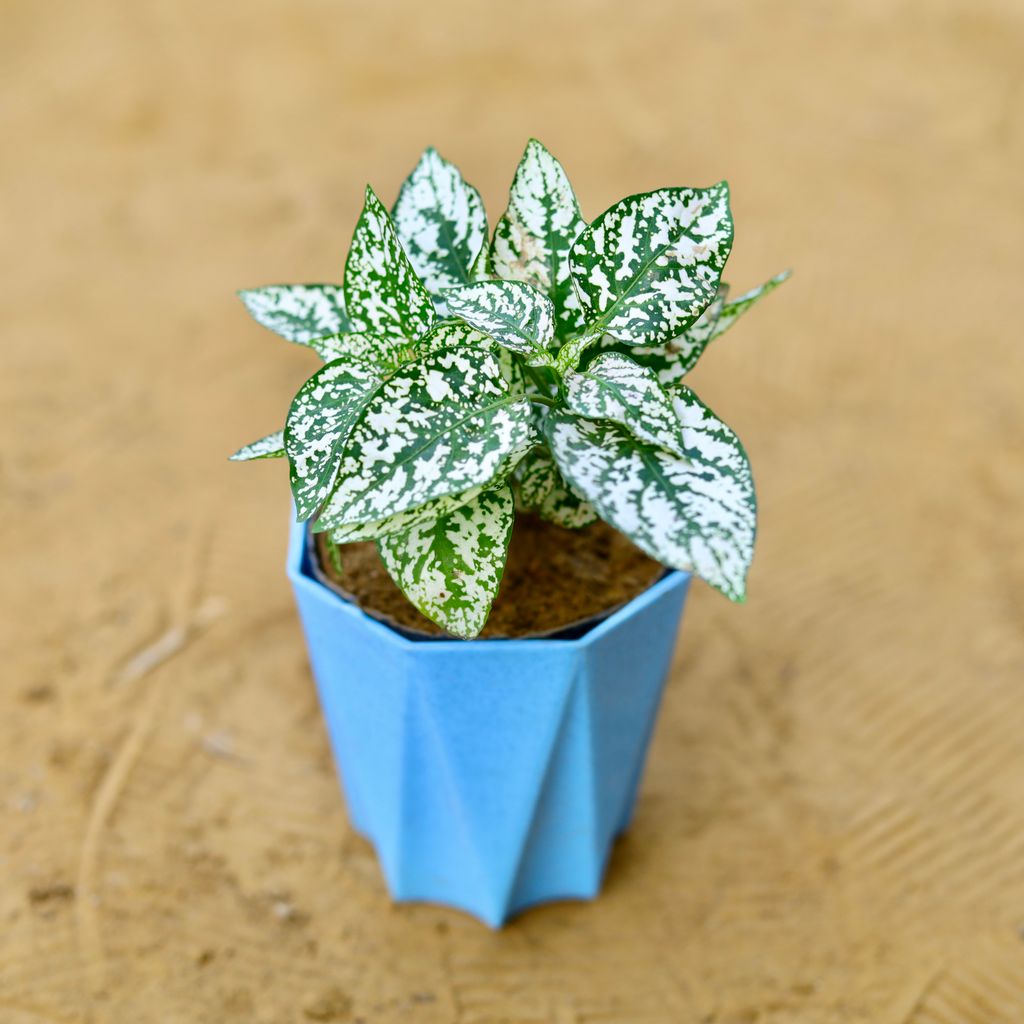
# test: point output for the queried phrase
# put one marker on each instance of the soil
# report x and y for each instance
(553, 578)
(830, 825)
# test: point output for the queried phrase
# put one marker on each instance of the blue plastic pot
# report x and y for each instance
(490, 775)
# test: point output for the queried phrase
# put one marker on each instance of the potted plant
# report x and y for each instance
(469, 379)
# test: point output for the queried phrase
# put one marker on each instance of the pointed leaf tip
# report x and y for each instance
(305, 314)
(269, 447)
(732, 311)
(451, 568)
(441, 223)
(383, 294)
(533, 238)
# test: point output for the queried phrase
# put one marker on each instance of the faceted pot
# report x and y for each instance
(490, 775)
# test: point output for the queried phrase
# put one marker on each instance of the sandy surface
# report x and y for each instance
(832, 826)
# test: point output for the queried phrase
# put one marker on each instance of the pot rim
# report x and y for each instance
(300, 573)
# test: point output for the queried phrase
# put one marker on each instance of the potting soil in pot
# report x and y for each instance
(554, 577)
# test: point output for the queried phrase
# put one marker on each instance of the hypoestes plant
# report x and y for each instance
(468, 376)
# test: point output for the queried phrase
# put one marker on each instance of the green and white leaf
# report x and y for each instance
(319, 420)
(732, 311)
(572, 351)
(673, 360)
(613, 387)
(447, 333)
(348, 533)
(305, 314)
(383, 295)
(544, 491)
(481, 269)
(697, 513)
(441, 223)
(451, 568)
(440, 425)
(532, 240)
(515, 315)
(269, 447)
(381, 352)
(649, 266)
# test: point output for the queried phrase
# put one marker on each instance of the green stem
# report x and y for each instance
(334, 554)
(543, 400)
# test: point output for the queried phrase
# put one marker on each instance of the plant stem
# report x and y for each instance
(543, 400)
(334, 554)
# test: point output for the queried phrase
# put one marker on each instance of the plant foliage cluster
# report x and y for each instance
(468, 375)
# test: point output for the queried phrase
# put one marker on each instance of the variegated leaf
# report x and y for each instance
(305, 314)
(673, 360)
(269, 447)
(348, 533)
(440, 425)
(321, 415)
(613, 387)
(450, 568)
(649, 266)
(441, 223)
(544, 491)
(515, 315)
(532, 239)
(732, 311)
(368, 348)
(697, 513)
(570, 354)
(383, 296)
(448, 333)
(481, 269)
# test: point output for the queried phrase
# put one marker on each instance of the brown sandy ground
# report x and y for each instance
(832, 826)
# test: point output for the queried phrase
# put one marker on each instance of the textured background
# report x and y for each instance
(832, 827)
